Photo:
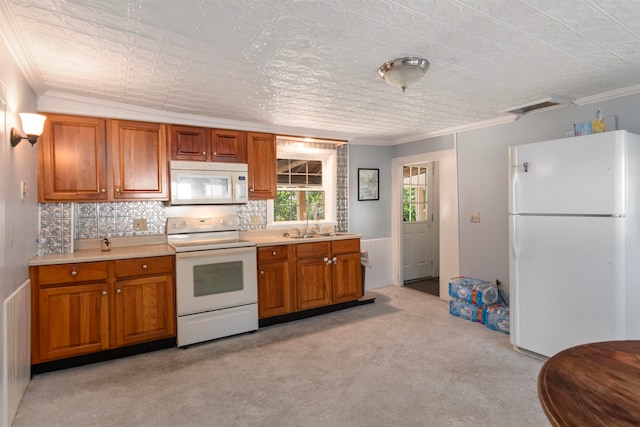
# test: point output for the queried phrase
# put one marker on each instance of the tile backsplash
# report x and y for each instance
(62, 223)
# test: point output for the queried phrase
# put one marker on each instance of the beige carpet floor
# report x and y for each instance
(402, 361)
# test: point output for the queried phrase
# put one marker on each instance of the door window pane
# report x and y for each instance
(415, 192)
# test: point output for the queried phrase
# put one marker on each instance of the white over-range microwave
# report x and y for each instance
(208, 183)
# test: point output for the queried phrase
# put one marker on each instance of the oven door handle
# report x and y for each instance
(230, 251)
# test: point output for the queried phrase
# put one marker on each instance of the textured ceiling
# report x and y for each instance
(313, 63)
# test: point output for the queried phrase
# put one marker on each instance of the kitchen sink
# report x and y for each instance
(318, 235)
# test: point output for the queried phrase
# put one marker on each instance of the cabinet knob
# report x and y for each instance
(335, 259)
(204, 153)
(74, 273)
(274, 253)
(104, 293)
(118, 291)
(145, 266)
(329, 262)
(262, 272)
(215, 153)
(325, 259)
(117, 190)
(103, 190)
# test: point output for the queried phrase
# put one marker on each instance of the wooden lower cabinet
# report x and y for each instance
(144, 309)
(313, 282)
(346, 271)
(84, 308)
(73, 320)
(307, 276)
(276, 294)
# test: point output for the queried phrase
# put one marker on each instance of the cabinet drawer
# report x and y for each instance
(143, 266)
(311, 250)
(345, 246)
(71, 273)
(273, 253)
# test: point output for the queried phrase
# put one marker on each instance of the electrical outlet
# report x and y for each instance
(475, 217)
(255, 219)
(140, 224)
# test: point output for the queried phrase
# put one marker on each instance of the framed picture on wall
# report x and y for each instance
(368, 184)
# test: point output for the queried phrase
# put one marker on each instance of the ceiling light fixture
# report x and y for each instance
(403, 72)
(32, 124)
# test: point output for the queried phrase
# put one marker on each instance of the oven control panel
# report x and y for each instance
(177, 225)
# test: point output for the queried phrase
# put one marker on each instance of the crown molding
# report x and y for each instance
(604, 96)
(456, 129)
(65, 103)
(17, 45)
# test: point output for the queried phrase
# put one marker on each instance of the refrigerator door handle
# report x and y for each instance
(514, 245)
(512, 179)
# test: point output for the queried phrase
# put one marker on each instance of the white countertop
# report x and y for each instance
(271, 238)
(88, 255)
(88, 251)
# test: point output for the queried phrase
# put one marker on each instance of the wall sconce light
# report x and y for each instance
(32, 124)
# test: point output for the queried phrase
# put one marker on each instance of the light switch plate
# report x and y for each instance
(475, 217)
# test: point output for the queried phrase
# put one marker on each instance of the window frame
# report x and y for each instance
(329, 158)
(427, 203)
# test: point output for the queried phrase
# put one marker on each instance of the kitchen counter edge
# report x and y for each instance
(89, 255)
(281, 240)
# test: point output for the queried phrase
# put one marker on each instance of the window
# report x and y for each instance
(415, 206)
(306, 186)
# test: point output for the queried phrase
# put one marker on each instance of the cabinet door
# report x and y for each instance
(72, 320)
(144, 309)
(228, 146)
(189, 142)
(313, 283)
(346, 285)
(274, 289)
(72, 159)
(261, 158)
(139, 158)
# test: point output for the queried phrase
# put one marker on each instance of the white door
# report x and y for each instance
(581, 175)
(420, 225)
(567, 281)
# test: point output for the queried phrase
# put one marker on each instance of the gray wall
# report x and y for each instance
(18, 218)
(483, 177)
(439, 143)
(371, 218)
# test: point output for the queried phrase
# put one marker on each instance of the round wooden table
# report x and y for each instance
(594, 384)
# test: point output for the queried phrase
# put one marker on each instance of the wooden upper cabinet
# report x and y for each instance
(72, 161)
(204, 144)
(261, 158)
(189, 143)
(139, 160)
(228, 146)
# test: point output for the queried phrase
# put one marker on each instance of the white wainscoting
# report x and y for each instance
(379, 274)
(16, 359)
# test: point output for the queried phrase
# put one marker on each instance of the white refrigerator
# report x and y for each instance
(574, 241)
